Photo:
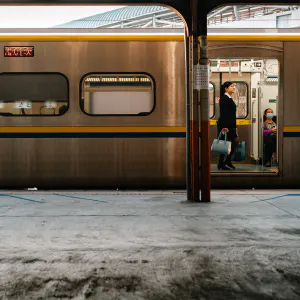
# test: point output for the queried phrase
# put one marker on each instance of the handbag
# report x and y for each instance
(239, 153)
(221, 146)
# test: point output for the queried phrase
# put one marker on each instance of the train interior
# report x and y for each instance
(256, 89)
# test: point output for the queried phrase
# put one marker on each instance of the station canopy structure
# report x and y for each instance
(163, 17)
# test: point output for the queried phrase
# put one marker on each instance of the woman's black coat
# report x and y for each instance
(227, 117)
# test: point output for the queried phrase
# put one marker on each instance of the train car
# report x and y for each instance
(105, 108)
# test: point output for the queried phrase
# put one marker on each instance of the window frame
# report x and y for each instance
(81, 101)
(37, 73)
(247, 98)
(214, 99)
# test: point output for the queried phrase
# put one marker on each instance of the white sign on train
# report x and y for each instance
(50, 104)
(23, 104)
(2, 104)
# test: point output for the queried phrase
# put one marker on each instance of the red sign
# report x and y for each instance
(18, 51)
(226, 64)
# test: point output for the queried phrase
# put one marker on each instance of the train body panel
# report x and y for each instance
(78, 150)
(291, 113)
(85, 162)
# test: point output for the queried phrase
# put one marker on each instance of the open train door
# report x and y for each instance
(256, 89)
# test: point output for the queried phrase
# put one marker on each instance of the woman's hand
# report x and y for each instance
(225, 130)
(274, 130)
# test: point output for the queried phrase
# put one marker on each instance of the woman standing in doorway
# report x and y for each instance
(227, 123)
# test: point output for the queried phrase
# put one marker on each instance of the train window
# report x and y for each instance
(240, 96)
(223, 70)
(33, 94)
(212, 92)
(117, 94)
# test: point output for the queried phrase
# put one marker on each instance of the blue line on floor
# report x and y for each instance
(277, 197)
(76, 197)
(22, 198)
(286, 195)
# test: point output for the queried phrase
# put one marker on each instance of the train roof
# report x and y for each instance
(146, 33)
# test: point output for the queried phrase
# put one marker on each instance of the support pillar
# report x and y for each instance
(197, 93)
(194, 105)
(194, 124)
(205, 125)
(188, 116)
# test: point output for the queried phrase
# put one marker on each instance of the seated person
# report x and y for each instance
(270, 133)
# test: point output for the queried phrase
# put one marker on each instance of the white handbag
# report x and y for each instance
(221, 146)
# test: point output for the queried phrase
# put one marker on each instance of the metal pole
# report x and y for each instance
(194, 122)
(188, 117)
(236, 13)
(205, 124)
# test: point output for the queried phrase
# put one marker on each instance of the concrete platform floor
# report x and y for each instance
(149, 245)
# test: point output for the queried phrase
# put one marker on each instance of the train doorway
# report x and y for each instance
(256, 82)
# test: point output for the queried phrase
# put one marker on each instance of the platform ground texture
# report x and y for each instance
(150, 245)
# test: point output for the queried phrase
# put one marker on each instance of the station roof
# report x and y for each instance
(162, 17)
(114, 17)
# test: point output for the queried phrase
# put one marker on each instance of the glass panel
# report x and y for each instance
(211, 100)
(33, 94)
(269, 95)
(241, 99)
(104, 94)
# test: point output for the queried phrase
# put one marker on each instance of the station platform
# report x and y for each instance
(244, 244)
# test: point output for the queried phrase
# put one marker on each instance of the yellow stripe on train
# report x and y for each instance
(89, 129)
(99, 129)
(291, 129)
(75, 38)
(70, 37)
(238, 122)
